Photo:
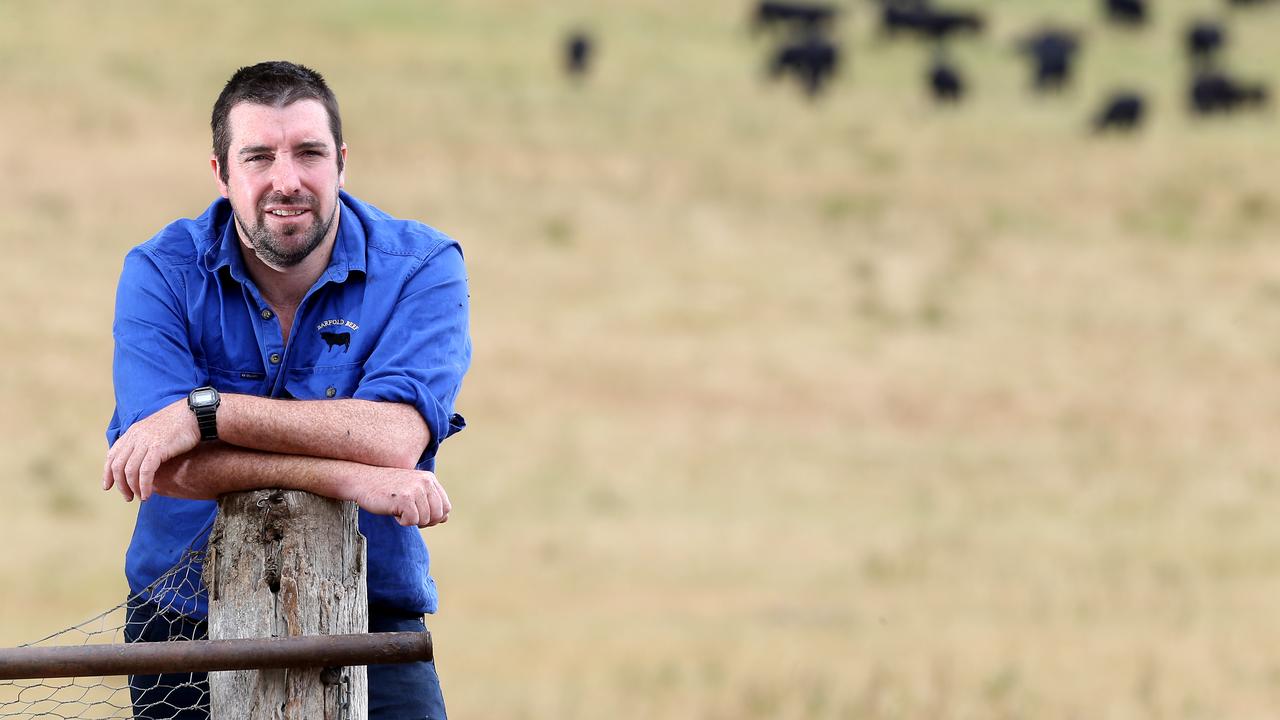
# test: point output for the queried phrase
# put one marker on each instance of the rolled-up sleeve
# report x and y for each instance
(425, 348)
(153, 364)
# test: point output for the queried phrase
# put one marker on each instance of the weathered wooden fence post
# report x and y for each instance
(286, 563)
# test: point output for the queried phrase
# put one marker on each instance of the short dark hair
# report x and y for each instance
(277, 83)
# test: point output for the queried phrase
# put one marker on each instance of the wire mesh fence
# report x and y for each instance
(163, 612)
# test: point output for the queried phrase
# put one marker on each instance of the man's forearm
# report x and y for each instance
(413, 497)
(215, 469)
(371, 433)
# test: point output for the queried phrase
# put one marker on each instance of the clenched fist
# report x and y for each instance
(412, 497)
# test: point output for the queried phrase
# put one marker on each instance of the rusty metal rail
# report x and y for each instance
(209, 655)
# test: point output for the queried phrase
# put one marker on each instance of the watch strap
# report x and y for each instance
(207, 419)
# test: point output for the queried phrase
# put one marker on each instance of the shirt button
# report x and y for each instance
(267, 314)
(275, 358)
(330, 392)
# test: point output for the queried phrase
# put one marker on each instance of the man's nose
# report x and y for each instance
(285, 176)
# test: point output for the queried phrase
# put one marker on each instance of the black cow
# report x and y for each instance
(904, 17)
(1053, 53)
(924, 21)
(813, 60)
(1131, 13)
(578, 49)
(1204, 39)
(336, 338)
(1215, 93)
(1123, 111)
(806, 16)
(945, 82)
(942, 24)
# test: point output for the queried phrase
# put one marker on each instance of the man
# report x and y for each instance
(291, 336)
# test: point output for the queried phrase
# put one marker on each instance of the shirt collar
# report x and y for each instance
(348, 247)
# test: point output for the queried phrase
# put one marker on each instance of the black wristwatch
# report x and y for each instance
(204, 402)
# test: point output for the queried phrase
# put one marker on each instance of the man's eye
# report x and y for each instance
(256, 158)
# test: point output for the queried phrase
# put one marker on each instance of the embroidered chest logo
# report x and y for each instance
(336, 332)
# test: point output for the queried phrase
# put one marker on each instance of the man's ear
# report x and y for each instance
(342, 174)
(217, 175)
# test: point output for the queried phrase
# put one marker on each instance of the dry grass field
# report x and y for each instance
(856, 409)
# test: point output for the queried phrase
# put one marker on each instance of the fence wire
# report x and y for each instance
(162, 612)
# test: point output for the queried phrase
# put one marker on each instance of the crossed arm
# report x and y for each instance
(355, 450)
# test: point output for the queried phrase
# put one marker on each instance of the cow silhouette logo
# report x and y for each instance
(333, 339)
(336, 333)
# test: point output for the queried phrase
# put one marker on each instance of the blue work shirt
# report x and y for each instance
(387, 321)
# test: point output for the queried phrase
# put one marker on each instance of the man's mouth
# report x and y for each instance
(287, 212)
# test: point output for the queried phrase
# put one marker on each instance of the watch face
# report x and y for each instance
(203, 397)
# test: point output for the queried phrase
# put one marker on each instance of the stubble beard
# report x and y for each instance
(282, 249)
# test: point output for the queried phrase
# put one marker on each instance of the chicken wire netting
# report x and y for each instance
(176, 696)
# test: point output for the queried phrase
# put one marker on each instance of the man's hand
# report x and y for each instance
(412, 497)
(136, 455)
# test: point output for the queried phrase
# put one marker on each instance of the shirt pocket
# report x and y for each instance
(244, 382)
(323, 382)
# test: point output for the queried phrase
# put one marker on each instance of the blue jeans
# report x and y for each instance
(404, 691)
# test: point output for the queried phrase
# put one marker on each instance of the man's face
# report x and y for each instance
(282, 179)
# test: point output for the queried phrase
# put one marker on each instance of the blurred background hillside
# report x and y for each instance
(858, 407)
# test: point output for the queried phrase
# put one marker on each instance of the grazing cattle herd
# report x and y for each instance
(807, 50)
